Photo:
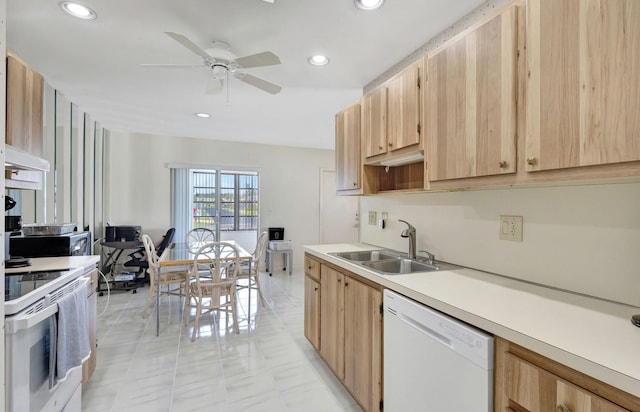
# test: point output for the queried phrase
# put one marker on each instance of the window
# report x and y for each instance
(226, 199)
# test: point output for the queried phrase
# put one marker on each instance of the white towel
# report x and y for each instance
(73, 336)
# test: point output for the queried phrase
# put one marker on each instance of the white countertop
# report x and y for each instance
(70, 268)
(57, 263)
(591, 335)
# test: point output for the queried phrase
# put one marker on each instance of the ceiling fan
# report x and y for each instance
(221, 62)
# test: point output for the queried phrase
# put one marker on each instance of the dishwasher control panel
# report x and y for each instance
(469, 341)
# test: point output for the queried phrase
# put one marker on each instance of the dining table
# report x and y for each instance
(180, 257)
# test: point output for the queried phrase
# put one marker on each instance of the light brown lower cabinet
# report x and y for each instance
(529, 382)
(89, 366)
(350, 329)
(363, 343)
(312, 311)
(332, 319)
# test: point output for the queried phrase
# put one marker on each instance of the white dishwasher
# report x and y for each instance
(432, 362)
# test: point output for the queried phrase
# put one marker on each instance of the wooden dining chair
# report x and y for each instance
(214, 290)
(250, 274)
(168, 278)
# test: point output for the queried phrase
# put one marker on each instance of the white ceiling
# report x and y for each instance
(96, 64)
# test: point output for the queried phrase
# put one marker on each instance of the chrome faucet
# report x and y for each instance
(430, 256)
(410, 232)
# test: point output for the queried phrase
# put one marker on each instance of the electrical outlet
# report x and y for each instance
(511, 228)
(373, 218)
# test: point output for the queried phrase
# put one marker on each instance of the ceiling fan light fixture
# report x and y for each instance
(203, 115)
(78, 10)
(368, 5)
(318, 60)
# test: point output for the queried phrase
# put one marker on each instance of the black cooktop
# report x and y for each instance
(19, 284)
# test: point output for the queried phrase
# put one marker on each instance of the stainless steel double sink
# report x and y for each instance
(391, 262)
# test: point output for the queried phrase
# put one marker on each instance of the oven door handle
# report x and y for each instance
(16, 324)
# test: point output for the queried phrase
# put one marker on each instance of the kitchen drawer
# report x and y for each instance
(312, 267)
(535, 389)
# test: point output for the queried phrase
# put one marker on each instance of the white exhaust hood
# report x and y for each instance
(16, 159)
(23, 170)
(400, 160)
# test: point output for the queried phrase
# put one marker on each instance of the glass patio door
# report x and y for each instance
(226, 202)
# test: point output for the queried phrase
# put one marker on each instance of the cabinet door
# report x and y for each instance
(363, 343)
(574, 398)
(24, 107)
(403, 108)
(374, 122)
(89, 366)
(470, 102)
(332, 319)
(312, 311)
(348, 148)
(583, 95)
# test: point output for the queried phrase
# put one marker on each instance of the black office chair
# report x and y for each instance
(139, 257)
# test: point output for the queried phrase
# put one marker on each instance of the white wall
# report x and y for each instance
(3, 107)
(579, 238)
(138, 192)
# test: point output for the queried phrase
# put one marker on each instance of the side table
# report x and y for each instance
(287, 255)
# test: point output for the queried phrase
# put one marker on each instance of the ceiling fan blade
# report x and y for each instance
(188, 44)
(257, 60)
(259, 83)
(214, 86)
(172, 66)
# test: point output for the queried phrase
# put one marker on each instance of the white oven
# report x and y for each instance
(30, 348)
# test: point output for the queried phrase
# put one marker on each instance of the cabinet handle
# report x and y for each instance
(532, 161)
(315, 289)
(380, 147)
(390, 144)
(502, 164)
(562, 408)
(355, 184)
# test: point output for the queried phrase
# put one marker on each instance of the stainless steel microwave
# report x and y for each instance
(70, 244)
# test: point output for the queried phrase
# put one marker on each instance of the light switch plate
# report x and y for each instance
(373, 218)
(511, 228)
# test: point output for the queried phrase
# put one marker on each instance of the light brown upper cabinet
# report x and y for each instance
(24, 106)
(374, 122)
(348, 150)
(470, 102)
(403, 108)
(583, 93)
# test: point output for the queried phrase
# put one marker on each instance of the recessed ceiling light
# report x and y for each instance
(78, 10)
(368, 5)
(203, 115)
(318, 60)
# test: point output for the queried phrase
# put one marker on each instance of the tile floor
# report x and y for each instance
(269, 366)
